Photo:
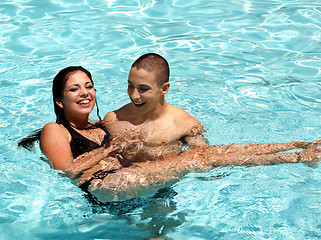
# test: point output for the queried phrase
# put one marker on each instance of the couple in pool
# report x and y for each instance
(136, 149)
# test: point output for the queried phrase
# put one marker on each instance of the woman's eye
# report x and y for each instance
(73, 89)
(90, 87)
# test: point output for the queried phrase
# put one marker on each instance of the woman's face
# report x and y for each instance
(79, 96)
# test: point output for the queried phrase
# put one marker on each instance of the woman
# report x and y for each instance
(67, 141)
(83, 149)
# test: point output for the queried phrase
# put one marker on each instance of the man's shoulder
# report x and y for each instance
(180, 114)
(182, 121)
(110, 116)
(192, 128)
(116, 115)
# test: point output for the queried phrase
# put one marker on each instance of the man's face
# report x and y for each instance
(143, 91)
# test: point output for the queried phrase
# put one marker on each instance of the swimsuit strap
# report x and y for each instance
(80, 144)
(107, 138)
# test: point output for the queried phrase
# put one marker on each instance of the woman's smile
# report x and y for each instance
(84, 103)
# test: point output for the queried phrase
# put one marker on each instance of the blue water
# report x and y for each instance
(248, 70)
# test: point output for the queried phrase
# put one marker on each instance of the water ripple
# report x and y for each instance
(249, 70)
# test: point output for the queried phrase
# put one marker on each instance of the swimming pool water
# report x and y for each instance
(248, 69)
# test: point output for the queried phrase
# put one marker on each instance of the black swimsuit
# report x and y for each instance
(80, 144)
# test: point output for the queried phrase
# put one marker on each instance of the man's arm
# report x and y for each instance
(90, 160)
(195, 135)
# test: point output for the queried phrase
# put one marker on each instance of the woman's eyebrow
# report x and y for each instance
(73, 85)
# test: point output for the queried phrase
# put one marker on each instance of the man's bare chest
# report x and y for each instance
(150, 134)
(146, 141)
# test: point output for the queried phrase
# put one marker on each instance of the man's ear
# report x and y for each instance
(165, 88)
(59, 103)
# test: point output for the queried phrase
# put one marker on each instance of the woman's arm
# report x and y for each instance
(55, 144)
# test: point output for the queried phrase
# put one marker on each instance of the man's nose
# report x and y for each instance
(135, 94)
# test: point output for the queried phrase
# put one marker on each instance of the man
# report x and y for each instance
(162, 128)
(149, 128)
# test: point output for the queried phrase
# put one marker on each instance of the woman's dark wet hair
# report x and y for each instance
(58, 86)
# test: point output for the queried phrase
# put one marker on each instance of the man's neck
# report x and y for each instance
(151, 115)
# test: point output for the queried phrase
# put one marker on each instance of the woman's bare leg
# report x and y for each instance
(263, 148)
(307, 155)
(142, 178)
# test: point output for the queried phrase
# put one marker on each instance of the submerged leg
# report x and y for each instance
(145, 177)
(263, 148)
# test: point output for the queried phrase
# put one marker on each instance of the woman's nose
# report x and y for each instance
(83, 92)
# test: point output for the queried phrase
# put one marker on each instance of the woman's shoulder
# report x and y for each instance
(53, 129)
(53, 126)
